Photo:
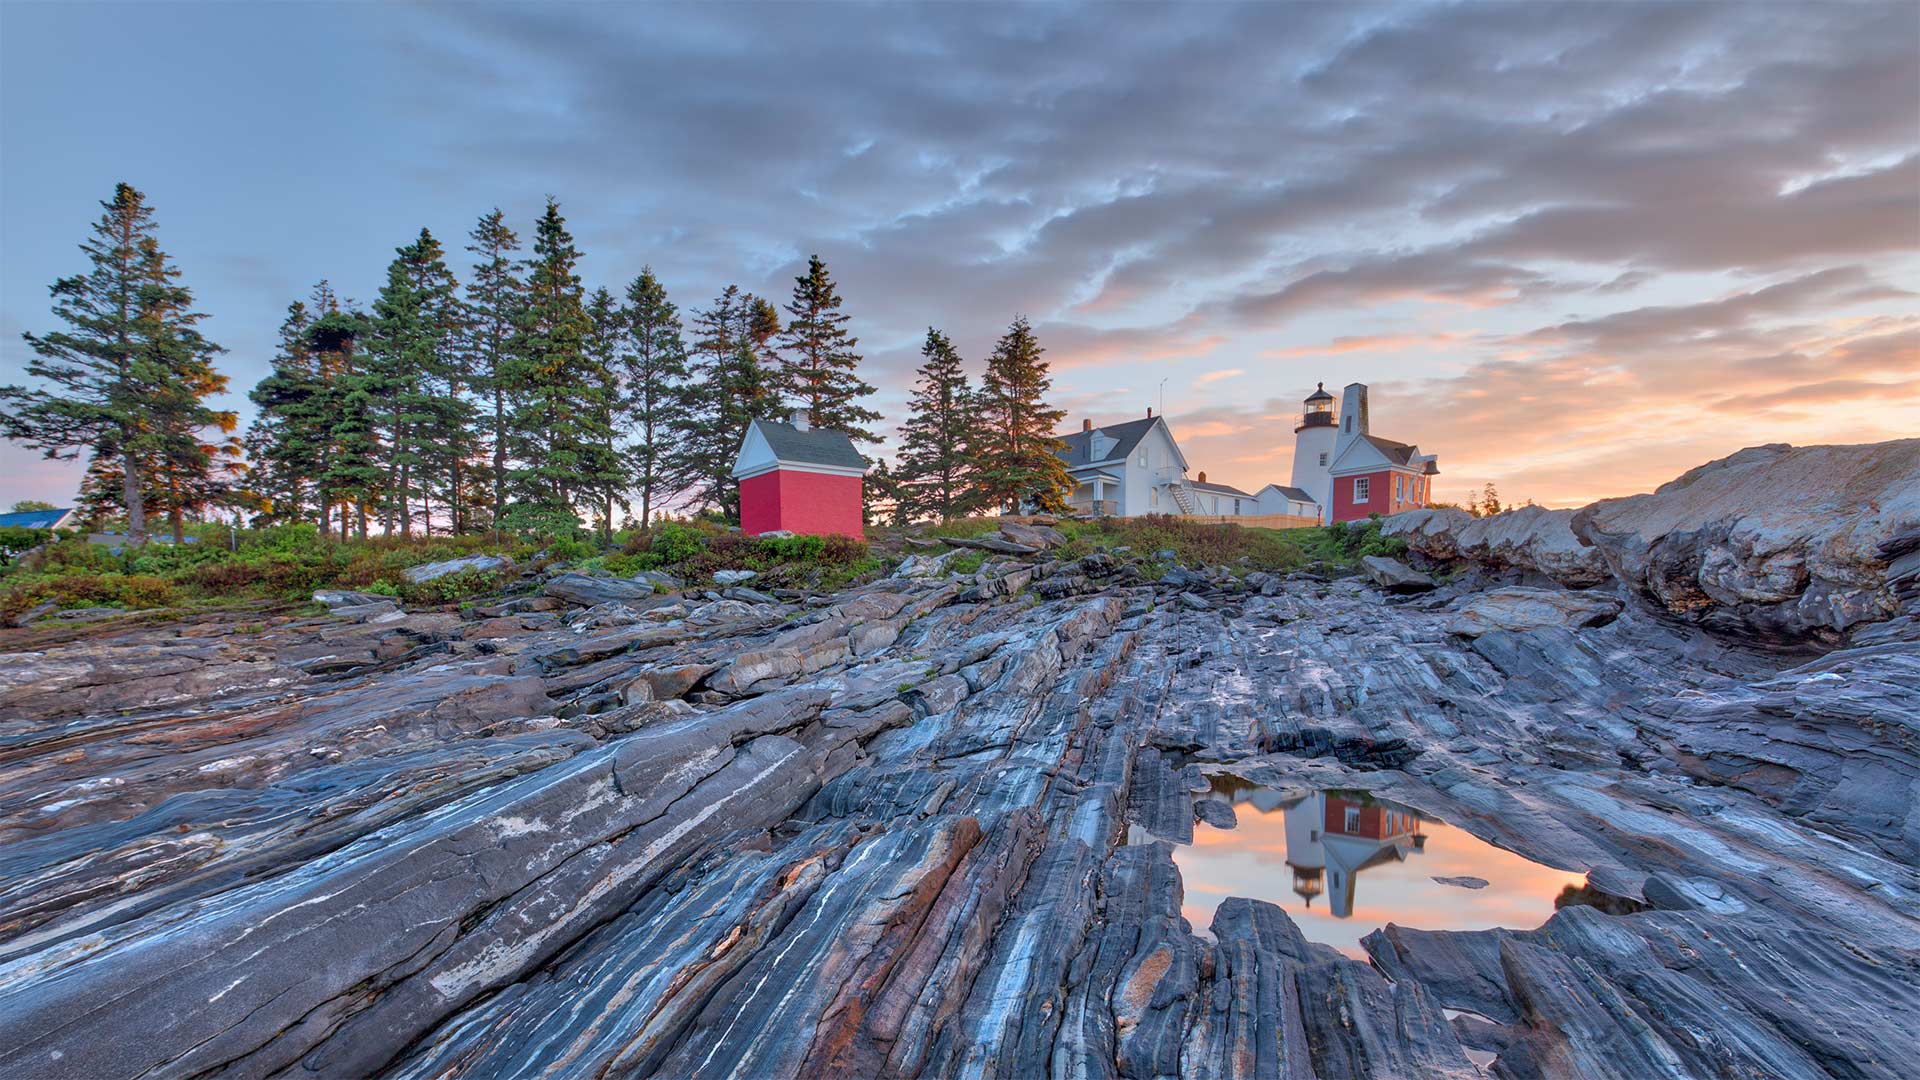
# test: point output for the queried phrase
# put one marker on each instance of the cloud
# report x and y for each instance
(1215, 376)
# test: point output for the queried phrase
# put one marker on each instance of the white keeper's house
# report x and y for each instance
(1137, 468)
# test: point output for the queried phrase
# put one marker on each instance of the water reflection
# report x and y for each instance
(1344, 863)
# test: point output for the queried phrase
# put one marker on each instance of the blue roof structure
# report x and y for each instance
(34, 519)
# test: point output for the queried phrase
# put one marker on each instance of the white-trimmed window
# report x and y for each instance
(1323, 460)
(1399, 488)
(1362, 488)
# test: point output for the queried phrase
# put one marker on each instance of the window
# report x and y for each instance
(1236, 506)
(1143, 459)
(1347, 423)
(1323, 460)
(1353, 819)
(1362, 488)
(1399, 488)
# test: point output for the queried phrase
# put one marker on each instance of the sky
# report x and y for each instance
(1574, 250)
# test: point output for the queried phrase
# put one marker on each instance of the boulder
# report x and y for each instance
(1778, 540)
(733, 577)
(1041, 537)
(341, 598)
(1521, 608)
(466, 564)
(1531, 538)
(588, 591)
(1394, 575)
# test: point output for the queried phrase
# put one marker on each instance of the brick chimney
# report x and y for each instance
(1086, 425)
(1203, 477)
(1149, 412)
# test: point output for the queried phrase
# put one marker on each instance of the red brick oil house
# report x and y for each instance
(1372, 475)
(797, 478)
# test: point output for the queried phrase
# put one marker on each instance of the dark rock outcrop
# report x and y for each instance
(926, 828)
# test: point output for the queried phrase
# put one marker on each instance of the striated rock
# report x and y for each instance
(922, 830)
(587, 591)
(1520, 608)
(1394, 575)
(1777, 540)
(734, 577)
(466, 564)
(1530, 538)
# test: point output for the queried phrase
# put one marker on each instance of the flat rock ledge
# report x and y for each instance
(925, 828)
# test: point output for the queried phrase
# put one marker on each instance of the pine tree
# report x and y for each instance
(130, 376)
(495, 295)
(818, 363)
(655, 366)
(348, 405)
(730, 387)
(285, 442)
(940, 440)
(1019, 463)
(415, 368)
(556, 423)
(605, 348)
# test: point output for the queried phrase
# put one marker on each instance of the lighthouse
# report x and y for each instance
(1313, 449)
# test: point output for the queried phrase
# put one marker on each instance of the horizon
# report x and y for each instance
(1574, 251)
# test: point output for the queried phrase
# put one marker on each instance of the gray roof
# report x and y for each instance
(1223, 489)
(814, 446)
(1125, 437)
(1294, 493)
(1397, 452)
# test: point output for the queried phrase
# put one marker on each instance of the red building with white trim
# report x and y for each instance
(1372, 475)
(797, 478)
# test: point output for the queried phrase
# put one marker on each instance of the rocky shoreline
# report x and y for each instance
(925, 827)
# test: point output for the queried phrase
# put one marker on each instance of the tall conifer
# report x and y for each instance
(939, 441)
(129, 378)
(495, 295)
(1019, 463)
(730, 387)
(818, 362)
(655, 366)
(556, 423)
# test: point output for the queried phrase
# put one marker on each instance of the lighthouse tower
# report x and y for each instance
(1313, 449)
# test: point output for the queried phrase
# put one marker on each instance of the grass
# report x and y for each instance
(1241, 550)
(290, 562)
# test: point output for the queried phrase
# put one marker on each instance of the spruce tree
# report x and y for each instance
(730, 388)
(655, 366)
(940, 440)
(556, 422)
(495, 295)
(129, 378)
(605, 349)
(349, 405)
(1019, 463)
(286, 441)
(818, 361)
(414, 366)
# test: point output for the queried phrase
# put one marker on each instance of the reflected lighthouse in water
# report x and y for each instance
(1332, 837)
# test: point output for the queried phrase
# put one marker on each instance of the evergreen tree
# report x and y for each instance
(414, 367)
(818, 363)
(1019, 465)
(287, 441)
(730, 387)
(495, 295)
(655, 366)
(940, 440)
(129, 378)
(348, 405)
(606, 347)
(556, 424)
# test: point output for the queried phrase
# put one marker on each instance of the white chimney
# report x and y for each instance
(1353, 415)
(803, 419)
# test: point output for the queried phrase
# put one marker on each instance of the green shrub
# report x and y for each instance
(383, 588)
(673, 543)
(89, 590)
